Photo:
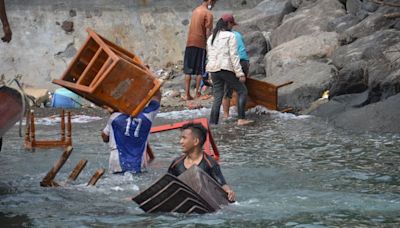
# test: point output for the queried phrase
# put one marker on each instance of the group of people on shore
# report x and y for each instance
(221, 53)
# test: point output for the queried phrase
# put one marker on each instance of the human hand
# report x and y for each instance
(7, 34)
(109, 109)
(242, 79)
(231, 194)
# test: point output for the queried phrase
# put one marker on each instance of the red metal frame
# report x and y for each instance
(209, 146)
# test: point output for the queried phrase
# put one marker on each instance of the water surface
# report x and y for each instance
(290, 171)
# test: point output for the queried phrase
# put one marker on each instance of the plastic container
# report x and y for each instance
(64, 98)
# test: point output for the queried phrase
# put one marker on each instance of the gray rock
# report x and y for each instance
(256, 45)
(340, 24)
(383, 116)
(370, 6)
(355, 8)
(68, 26)
(369, 25)
(356, 51)
(353, 78)
(301, 3)
(310, 79)
(298, 51)
(265, 16)
(380, 52)
(307, 20)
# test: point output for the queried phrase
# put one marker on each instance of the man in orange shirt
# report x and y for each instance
(195, 53)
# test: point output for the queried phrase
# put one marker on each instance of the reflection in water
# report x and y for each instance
(287, 171)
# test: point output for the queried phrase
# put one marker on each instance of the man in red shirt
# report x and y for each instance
(195, 53)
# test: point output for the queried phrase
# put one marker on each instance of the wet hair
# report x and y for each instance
(220, 26)
(198, 130)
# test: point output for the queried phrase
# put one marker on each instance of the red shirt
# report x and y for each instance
(202, 19)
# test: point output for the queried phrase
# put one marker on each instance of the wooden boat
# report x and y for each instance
(194, 191)
(12, 108)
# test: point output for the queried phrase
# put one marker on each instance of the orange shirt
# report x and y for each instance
(202, 19)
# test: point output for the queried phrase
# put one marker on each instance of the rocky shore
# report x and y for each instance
(350, 48)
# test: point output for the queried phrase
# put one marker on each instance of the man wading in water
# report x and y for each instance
(193, 137)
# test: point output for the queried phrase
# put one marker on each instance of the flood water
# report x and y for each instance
(287, 171)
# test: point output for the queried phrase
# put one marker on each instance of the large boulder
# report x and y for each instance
(307, 20)
(310, 79)
(257, 47)
(375, 22)
(355, 8)
(353, 78)
(381, 41)
(266, 16)
(340, 24)
(380, 52)
(290, 54)
(345, 112)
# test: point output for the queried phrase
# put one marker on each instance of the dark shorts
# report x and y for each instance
(194, 62)
(245, 68)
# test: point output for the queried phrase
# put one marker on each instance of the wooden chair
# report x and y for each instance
(30, 135)
(262, 93)
(108, 75)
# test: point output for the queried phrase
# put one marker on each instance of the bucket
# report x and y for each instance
(64, 98)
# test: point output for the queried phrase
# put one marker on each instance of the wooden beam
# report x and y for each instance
(48, 180)
(77, 170)
(96, 176)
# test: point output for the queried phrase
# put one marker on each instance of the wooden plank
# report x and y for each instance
(77, 170)
(48, 180)
(96, 176)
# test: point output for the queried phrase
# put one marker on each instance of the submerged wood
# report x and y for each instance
(77, 170)
(200, 182)
(194, 191)
(96, 176)
(48, 180)
(30, 135)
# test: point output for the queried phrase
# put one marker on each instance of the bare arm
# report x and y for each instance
(157, 96)
(209, 25)
(4, 21)
(105, 137)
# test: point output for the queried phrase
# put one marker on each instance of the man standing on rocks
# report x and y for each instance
(4, 21)
(195, 53)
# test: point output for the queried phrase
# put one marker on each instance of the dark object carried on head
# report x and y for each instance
(194, 191)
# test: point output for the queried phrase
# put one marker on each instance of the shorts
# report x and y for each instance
(245, 68)
(194, 62)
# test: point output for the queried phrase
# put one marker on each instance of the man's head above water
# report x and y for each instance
(193, 136)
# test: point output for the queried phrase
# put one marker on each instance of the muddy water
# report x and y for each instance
(287, 171)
